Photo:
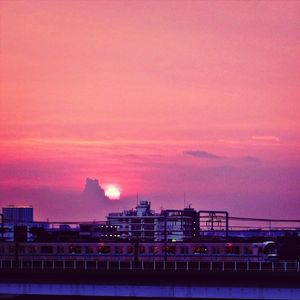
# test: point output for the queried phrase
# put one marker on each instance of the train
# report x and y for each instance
(144, 251)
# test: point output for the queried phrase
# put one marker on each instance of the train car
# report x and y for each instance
(145, 251)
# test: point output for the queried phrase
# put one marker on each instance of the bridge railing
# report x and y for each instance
(208, 266)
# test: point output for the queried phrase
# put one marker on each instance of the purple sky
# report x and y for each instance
(154, 97)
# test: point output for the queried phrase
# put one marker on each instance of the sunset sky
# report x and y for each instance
(155, 97)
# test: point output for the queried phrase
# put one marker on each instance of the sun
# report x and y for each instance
(112, 192)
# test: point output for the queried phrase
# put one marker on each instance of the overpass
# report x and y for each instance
(201, 280)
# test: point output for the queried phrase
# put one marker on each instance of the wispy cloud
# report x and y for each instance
(229, 141)
(251, 159)
(266, 138)
(202, 154)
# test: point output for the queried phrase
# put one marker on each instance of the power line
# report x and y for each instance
(264, 219)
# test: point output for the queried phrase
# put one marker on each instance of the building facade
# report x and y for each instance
(135, 224)
(146, 225)
(17, 214)
(18, 222)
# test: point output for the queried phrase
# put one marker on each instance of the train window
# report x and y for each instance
(184, 250)
(247, 250)
(169, 249)
(32, 249)
(269, 248)
(215, 250)
(46, 249)
(153, 249)
(118, 250)
(142, 249)
(129, 249)
(200, 250)
(75, 249)
(21, 249)
(60, 249)
(232, 249)
(89, 250)
(104, 249)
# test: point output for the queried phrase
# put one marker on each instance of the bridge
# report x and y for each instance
(199, 280)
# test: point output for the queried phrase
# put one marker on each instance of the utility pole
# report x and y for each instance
(2, 227)
(165, 235)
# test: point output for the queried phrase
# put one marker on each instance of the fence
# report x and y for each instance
(209, 266)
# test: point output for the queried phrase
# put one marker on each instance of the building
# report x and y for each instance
(18, 223)
(178, 225)
(17, 214)
(98, 231)
(135, 224)
(146, 225)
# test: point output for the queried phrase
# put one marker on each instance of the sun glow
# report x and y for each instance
(112, 192)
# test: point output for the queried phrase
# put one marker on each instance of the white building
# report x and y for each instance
(146, 225)
(135, 224)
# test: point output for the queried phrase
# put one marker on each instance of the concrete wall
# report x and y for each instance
(216, 292)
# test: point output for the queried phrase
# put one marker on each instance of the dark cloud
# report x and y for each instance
(202, 154)
(62, 205)
(93, 189)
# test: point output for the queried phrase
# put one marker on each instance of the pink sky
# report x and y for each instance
(157, 97)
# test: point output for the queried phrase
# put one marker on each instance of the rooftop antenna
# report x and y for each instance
(184, 200)
(137, 199)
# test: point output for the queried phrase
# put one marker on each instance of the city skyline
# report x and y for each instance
(155, 98)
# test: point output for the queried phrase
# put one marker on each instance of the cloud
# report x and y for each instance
(92, 189)
(251, 159)
(63, 205)
(266, 138)
(202, 154)
(231, 142)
